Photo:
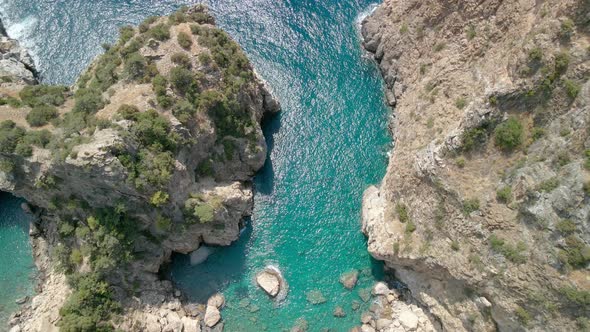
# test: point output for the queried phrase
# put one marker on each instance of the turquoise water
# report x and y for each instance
(327, 146)
(16, 262)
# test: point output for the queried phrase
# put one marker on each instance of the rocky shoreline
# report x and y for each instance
(483, 210)
(207, 160)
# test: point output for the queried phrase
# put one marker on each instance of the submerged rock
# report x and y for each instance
(315, 297)
(200, 255)
(349, 279)
(339, 312)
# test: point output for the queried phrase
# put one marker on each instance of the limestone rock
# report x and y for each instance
(408, 320)
(217, 300)
(212, 316)
(190, 325)
(380, 288)
(269, 282)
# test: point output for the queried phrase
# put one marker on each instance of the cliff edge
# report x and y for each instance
(151, 152)
(484, 209)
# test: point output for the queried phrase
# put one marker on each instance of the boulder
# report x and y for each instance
(212, 316)
(349, 279)
(380, 288)
(190, 325)
(200, 255)
(382, 324)
(270, 281)
(217, 300)
(409, 320)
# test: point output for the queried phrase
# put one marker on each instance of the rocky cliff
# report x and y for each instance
(16, 64)
(151, 152)
(484, 209)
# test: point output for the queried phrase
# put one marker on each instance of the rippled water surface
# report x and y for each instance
(16, 261)
(328, 144)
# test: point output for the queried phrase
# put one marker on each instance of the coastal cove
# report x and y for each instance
(329, 143)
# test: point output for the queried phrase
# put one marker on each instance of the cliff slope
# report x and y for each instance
(151, 152)
(484, 209)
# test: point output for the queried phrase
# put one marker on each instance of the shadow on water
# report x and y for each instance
(264, 181)
(223, 266)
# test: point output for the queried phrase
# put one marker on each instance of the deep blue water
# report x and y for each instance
(327, 146)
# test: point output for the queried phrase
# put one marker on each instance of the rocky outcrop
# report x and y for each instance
(16, 64)
(483, 211)
(151, 152)
(272, 282)
(391, 313)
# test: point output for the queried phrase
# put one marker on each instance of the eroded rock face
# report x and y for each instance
(459, 216)
(182, 180)
(16, 63)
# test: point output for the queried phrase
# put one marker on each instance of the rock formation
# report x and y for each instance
(484, 209)
(16, 64)
(151, 152)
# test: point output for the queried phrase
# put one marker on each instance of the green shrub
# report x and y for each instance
(135, 66)
(159, 84)
(10, 136)
(38, 138)
(182, 80)
(126, 33)
(439, 47)
(460, 161)
(474, 138)
(504, 194)
(89, 307)
(133, 47)
(537, 133)
(41, 115)
(160, 32)
(567, 28)
(410, 227)
(163, 224)
(88, 101)
(455, 245)
(184, 40)
(470, 205)
(205, 168)
(204, 58)
(402, 212)
(471, 33)
(7, 165)
(404, 28)
(575, 253)
(512, 253)
(548, 185)
(536, 55)
(183, 111)
(587, 188)
(181, 59)
(23, 150)
(566, 226)
(523, 316)
(509, 134)
(577, 296)
(562, 61)
(571, 88)
(204, 212)
(159, 198)
(76, 257)
(36, 95)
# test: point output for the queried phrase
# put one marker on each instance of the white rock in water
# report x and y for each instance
(409, 320)
(212, 316)
(200, 255)
(380, 288)
(269, 281)
(217, 300)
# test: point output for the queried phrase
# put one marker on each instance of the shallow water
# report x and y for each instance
(16, 262)
(327, 146)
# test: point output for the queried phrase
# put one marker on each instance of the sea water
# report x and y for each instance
(328, 144)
